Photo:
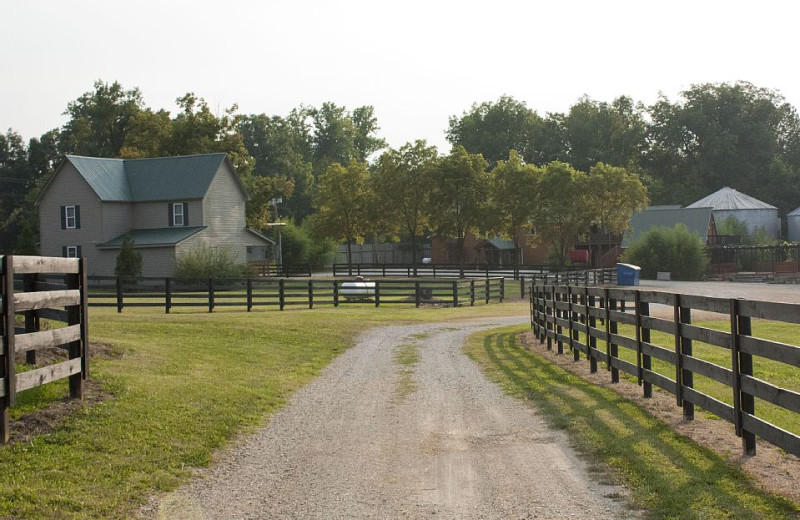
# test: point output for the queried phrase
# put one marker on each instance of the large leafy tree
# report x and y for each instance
(612, 133)
(339, 136)
(460, 197)
(493, 129)
(343, 200)
(560, 214)
(99, 119)
(15, 182)
(613, 195)
(514, 191)
(724, 134)
(403, 181)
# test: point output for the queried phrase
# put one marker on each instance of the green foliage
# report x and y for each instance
(300, 248)
(129, 260)
(204, 261)
(515, 188)
(614, 195)
(676, 250)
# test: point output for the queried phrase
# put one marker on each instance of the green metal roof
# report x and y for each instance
(158, 237)
(152, 179)
(697, 220)
(498, 243)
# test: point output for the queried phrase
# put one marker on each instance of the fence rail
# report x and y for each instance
(265, 268)
(571, 316)
(34, 288)
(121, 292)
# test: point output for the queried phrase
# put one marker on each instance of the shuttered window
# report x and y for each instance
(70, 217)
(71, 251)
(178, 214)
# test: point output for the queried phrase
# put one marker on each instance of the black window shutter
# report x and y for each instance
(77, 218)
(185, 213)
(64, 251)
(64, 218)
(171, 215)
(79, 251)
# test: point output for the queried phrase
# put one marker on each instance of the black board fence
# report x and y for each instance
(252, 293)
(579, 317)
(33, 288)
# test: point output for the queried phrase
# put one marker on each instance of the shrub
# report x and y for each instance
(129, 260)
(204, 261)
(676, 250)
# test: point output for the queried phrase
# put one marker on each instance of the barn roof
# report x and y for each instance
(730, 199)
(696, 220)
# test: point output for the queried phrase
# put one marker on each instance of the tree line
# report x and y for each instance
(511, 171)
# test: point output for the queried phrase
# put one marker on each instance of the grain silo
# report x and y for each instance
(728, 202)
(793, 221)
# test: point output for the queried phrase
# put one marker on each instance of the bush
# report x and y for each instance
(204, 261)
(129, 260)
(676, 250)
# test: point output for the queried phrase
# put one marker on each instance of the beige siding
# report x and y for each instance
(153, 215)
(224, 212)
(158, 261)
(68, 188)
(116, 219)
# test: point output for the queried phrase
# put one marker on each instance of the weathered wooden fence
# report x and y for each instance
(437, 270)
(579, 317)
(265, 268)
(121, 292)
(62, 298)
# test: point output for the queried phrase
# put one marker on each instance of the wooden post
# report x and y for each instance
(742, 364)
(76, 387)
(377, 293)
(472, 293)
(249, 288)
(647, 361)
(613, 349)
(7, 367)
(167, 295)
(210, 295)
(521, 286)
(31, 321)
(119, 294)
(486, 287)
(591, 341)
(502, 289)
(310, 294)
(637, 309)
(687, 377)
(574, 334)
(336, 292)
(281, 293)
(416, 293)
(455, 293)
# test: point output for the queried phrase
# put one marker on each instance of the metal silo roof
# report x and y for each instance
(730, 199)
(795, 213)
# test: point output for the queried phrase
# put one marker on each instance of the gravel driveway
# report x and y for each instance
(375, 438)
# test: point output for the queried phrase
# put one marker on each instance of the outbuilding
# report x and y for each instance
(793, 222)
(754, 213)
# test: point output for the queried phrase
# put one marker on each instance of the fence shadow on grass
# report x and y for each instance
(669, 475)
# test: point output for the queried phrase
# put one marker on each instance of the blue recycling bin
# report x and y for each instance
(628, 274)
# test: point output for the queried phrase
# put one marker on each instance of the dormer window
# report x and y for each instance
(178, 214)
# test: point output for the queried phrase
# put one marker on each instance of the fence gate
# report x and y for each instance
(32, 289)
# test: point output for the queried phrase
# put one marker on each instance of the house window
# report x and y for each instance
(178, 214)
(70, 217)
(71, 251)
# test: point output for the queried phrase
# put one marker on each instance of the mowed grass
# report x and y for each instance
(669, 476)
(180, 387)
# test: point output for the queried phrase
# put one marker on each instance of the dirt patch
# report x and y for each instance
(772, 468)
(50, 418)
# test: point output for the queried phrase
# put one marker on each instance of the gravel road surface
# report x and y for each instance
(375, 438)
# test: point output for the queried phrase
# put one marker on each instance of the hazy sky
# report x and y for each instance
(416, 62)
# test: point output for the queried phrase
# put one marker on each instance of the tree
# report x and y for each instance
(99, 120)
(342, 201)
(148, 134)
(613, 195)
(129, 260)
(514, 192)
(460, 195)
(339, 136)
(261, 190)
(15, 182)
(494, 129)
(560, 214)
(403, 182)
(676, 250)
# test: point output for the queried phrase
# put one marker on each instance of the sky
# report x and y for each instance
(416, 62)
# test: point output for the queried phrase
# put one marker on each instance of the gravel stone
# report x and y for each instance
(361, 442)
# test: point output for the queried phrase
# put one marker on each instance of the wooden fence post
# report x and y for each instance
(684, 347)
(591, 341)
(76, 387)
(31, 321)
(249, 285)
(487, 288)
(574, 334)
(119, 294)
(455, 293)
(167, 295)
(336, 292)
(310, 294)
(377, 293)
(7, 366)
(637, 309)
(647, 361)
(522, 287)
(472, 293)
(210, 295)
(613, 349)
(742, 364)
(502, 289)
(281, 293)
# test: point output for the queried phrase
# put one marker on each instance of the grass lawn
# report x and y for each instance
(181, 386)
(669, 476)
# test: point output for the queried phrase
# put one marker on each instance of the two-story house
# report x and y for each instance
(167, 205)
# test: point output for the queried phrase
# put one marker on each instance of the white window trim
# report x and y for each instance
(72, 251)
(70, 218)
(178, 218)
